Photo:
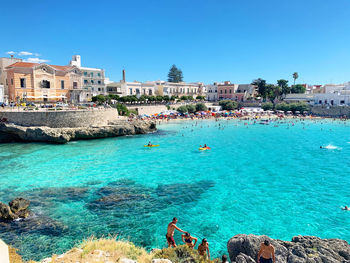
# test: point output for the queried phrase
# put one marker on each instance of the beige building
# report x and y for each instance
(44, 83)
(5, 62)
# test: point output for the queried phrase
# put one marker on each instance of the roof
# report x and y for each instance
(31, 65)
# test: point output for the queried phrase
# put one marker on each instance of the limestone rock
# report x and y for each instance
(19, 207)
(127, 260)
(11, 132)
(302, 249)
(6, 214)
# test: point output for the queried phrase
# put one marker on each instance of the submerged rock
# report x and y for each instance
(19, 207)
(6, 214)
(309, 249)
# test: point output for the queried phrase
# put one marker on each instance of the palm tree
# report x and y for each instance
(295, 76)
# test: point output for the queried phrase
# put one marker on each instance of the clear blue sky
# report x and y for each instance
(210, 40)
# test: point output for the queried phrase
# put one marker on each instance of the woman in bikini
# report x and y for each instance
(187, 239)
(203, 248)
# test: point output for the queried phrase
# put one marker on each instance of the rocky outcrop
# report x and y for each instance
(12, 132)
(17, 208)
(308, 249)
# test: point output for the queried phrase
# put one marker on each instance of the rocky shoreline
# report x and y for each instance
(15, 133)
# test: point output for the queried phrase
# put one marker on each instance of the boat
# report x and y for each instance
(150, 146)
(204, 148)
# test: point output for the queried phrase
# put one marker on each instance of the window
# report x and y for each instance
(11, 81)
(342, 102)
(220, 91)
(91, 74)
(92, 81)
(85, 73)
(99, 89)
(137, 91)
(45, 84)
(99, 82)
(230, 91)
(150, 92)
(23, 82)
(225, 91)
(85, 81)
(75, 85)
(62, 84)
(99, 74)
(130, 91)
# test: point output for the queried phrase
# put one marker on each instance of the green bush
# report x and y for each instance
(267, 106)
(228, 104)
(184, 98)
(298, 106)
(201, 107)
(182, 109)
(182, 254)
(191, 108)
(122, 109)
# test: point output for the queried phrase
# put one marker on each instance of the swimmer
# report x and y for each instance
(346, 208)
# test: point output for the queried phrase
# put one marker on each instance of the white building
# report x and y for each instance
(165, 88)
(5, 62)
(93, 78)
(212, 92)
(334, 95)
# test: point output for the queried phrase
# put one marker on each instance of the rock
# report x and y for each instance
(155, 250)
(19, 207)
(11, 132)
(6, 214)
(161, 260)
(127, 260)
(302, 249)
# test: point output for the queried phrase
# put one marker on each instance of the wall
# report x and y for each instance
(149, 110)
(60, 119)
(335, 111)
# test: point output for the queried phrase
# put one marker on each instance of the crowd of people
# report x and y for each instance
(266, 252)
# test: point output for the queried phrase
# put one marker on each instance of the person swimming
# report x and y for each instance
(346, 208)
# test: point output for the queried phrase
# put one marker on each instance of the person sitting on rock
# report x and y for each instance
(187, 238)
(203, 248)
(266, 253)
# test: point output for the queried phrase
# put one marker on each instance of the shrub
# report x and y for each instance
(191, 108)
(182, 109)
(228, 104)
(201, 107)
(122, 109)
(267, 106)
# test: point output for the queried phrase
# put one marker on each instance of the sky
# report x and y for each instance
(209, 40)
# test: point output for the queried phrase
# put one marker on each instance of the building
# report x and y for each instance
(226, 90)
(244, 92)
(93, 78)
(44, 83)
(180, 89)
(212, 92)
(5, 62)
(2, 94)
(335, 95)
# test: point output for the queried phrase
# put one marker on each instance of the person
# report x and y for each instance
(224, 259)
(187, 238)
(149, 144)
(346, 208)
(321, 147)
(266, 253)
(203, 248)
(170, 232)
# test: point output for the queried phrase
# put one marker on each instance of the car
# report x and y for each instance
(61, 104)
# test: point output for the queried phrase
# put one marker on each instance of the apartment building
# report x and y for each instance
(93, 78)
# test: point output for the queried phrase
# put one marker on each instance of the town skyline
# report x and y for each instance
(233, 41)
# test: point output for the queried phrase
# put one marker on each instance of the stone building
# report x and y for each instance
(43, 83)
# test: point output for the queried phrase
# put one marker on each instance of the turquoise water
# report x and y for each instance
(258, 179)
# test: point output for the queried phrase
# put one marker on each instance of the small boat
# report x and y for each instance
(155, 145)
(204, 148)
(264, 122)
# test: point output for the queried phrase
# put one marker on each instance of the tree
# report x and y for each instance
(228, 104)
(199, 97)
(159, 98)
(283, 84)
(99, 99)
(295, 76)
(190, 98)
(201, 107)
(173, 98)
(298, 88)
(191, 108)
(267, 106)
(262, 89)
(175, 74)
(182, 109)
(273, 92)
(184, 98)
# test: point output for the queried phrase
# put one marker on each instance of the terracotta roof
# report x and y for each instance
(30, 65)
(23, 65)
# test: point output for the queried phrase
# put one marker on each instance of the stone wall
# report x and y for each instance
(152, 109)
(61, 119)
(327, 111)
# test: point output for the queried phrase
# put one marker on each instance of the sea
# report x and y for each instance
(265, 179)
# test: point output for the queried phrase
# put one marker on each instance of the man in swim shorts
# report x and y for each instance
(266, 253)
(170, 232)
